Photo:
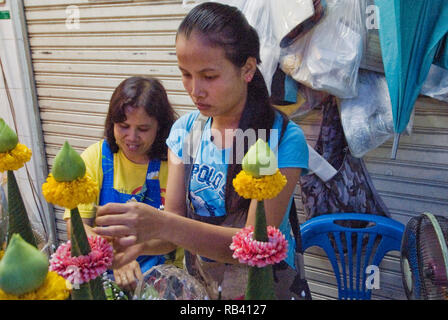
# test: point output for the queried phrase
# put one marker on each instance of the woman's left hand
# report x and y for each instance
(128, 276)
(131, 222)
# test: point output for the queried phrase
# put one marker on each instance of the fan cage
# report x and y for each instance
(423, 251)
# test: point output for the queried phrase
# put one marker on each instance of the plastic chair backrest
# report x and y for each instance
(360, 247)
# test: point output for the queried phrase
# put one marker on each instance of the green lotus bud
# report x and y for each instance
(68, 165)
(23, 267)
(8, 138)
(260, 160)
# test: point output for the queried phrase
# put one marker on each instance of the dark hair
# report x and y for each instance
(225, 26)
(149, 94)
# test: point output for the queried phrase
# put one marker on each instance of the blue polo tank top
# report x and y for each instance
(150, 194)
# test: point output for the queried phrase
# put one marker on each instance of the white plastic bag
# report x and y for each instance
(287, 14)
(367, 119)
(436, 84)
(259, 15)
(328, 57)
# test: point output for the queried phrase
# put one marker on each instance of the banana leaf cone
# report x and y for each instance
(94, 289)
(260, 285)
(18, 218)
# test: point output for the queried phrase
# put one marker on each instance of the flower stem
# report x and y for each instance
(80, 243)
(260, 285)
(260, 230)
(92, 290)
(18, 218)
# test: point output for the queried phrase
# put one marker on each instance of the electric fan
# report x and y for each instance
(424, 258)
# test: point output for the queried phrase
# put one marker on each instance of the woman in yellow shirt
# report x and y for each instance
(130, 163)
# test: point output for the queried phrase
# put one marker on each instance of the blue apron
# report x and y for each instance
(150, 194)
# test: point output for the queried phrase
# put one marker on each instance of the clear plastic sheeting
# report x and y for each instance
(168, 282)
(367, 119)
(287, 14)
(436, 84)
(259, 15)
(328, 57)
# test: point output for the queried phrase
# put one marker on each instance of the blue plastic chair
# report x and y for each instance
(358, 247)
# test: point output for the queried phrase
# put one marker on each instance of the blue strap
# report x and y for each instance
(107, 164)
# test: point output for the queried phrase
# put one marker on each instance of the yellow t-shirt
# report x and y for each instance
(129, 177)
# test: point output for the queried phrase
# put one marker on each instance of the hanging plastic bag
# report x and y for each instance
(259, 15)
(287, 14)
(328, 57)
(436, 84)
(293, 98)
(367, 119)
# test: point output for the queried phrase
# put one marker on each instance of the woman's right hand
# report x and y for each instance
(130, 223)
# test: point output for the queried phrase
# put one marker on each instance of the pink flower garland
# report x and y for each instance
(82, 269)
(258, 253)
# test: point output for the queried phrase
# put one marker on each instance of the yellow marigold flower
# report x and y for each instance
(53, 288)
(70, 194)
(265, 187)
(15, 158)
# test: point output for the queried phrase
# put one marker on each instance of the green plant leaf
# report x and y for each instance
(260, 285)
(80, 243)
(94, 289)
(18, 218)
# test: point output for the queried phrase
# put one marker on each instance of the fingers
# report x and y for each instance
(115, 231)
(128, 276)
(111, 208)
(113, 219)
(124, 256)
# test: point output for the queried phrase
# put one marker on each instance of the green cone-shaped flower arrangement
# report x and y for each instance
(260, 179)
(23, 268)
(13, 156)
(68, 185)
(24, 274)
(8, 138)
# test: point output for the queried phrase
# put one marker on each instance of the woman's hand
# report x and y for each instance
(131, 223)
(125, 255)
(128, 276)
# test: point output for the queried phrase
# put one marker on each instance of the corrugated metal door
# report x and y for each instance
(81, 50)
